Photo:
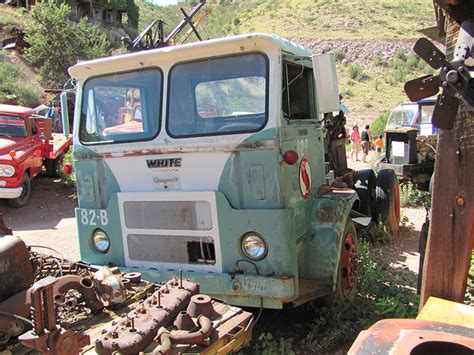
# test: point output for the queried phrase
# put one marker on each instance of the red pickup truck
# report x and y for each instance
(24, 149)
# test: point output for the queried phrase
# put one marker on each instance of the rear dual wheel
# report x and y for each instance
(387, 200)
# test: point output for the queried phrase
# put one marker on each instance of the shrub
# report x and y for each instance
(56, 43)
(339, 55)
(14, 86)
(69, 180)
(410, 196)
(378, 126)
(355, 71)
(378, 60)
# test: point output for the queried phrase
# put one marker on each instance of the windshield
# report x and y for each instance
(426, 113)
(404, 115)
(121, 107)
(12, 126)
(218, 96)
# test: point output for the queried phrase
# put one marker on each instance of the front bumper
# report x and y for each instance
(242, 289)
(409, 171)
(9, 193)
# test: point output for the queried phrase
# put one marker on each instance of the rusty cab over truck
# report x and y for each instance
(24, 148)
(210, 158)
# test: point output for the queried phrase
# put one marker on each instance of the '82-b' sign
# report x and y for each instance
(89, 217)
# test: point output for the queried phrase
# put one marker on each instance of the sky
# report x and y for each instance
(165, 2)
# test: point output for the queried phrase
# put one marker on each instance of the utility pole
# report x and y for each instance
(451, 233)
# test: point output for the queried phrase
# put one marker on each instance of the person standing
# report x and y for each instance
(355, 142)
(379, 145)
(366, 139)
(57, 122)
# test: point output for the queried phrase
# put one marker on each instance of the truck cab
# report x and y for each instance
(209, 159)
(410, 142)
(20, 153)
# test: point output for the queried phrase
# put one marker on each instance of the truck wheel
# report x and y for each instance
(365, 188)
(22, 200)
(346, 282)
(52, 166)
(387, 200)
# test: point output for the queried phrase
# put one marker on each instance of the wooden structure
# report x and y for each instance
(451, 234)
(97, 10)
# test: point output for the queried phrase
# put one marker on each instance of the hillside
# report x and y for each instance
(372, 39)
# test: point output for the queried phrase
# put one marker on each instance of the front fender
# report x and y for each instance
(321, 249)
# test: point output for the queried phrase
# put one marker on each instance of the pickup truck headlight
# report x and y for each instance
(254, 246)
(6, 170)
(100, 241)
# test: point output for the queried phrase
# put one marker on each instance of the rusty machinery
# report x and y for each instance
(455, 78)
(153, 36)
(37, 290)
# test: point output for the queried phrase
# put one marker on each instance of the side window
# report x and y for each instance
(297, 100)
(121, 107)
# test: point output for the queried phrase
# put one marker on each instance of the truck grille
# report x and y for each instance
(170, 215)
(170, 230)
(176, 249)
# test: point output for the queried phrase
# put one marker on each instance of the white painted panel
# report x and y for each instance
(198, 172)
(207, 196)
(398, 149)
(327, 90)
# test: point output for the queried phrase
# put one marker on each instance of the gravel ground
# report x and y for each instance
(48, 219)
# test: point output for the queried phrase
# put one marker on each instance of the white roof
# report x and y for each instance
(85, 69)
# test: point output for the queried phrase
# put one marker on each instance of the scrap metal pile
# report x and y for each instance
(50, 305)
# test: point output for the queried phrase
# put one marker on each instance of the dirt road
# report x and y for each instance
(48, 219)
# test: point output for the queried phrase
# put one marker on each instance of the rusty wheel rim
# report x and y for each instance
(348, 264)
(396, 196)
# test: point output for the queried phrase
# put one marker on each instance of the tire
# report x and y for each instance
(22, 200)
(346, 281)
(52, 166)
(387, 200)
(365, 187)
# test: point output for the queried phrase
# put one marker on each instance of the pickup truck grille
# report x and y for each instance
(175, 230)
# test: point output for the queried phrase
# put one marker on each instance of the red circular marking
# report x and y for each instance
(305, 178)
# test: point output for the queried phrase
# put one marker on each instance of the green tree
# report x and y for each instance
(56, 43)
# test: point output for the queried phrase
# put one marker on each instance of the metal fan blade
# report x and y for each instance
(430, 53)
(423, 87)
(446, 109)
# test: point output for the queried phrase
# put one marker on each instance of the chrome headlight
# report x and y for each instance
(254, 246)
(6, 170)
(100, 241)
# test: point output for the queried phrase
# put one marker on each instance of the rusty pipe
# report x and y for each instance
(20, 303)
(83, 285)
(167, 340)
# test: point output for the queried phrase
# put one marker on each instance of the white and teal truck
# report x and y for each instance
(216, 158)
